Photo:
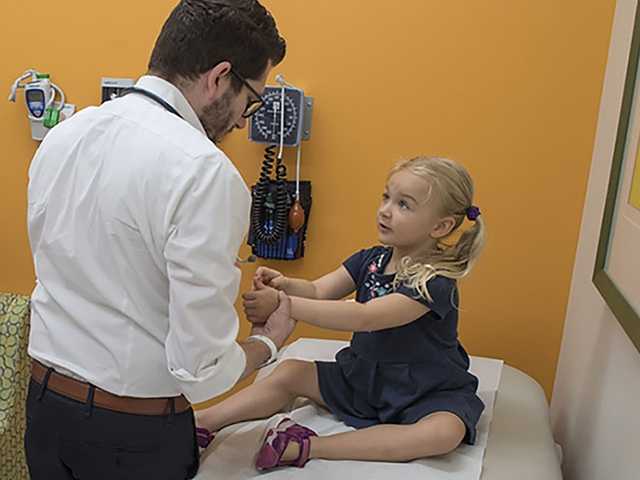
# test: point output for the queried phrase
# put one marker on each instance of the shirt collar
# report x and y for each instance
(173, 96)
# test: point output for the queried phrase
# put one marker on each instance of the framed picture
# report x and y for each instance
(617, 268)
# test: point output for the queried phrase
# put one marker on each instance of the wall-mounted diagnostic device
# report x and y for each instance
(111, 87)
(40, 94)
(280, 208)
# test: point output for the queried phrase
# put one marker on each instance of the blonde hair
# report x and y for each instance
(452, 186)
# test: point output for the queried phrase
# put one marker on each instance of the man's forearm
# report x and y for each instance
(277, 328)
(256, 354)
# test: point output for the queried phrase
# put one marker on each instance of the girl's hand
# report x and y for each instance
(260, 303)
(271, 278)
(279, 325)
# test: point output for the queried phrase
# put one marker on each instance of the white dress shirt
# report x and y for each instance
(135, 220)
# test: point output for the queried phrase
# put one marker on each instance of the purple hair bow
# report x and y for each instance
(473, 213)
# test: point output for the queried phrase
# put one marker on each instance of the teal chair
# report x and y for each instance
(15, 370)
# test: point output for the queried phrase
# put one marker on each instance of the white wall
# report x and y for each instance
(595, 408)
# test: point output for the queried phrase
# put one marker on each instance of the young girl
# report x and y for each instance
(403, 382)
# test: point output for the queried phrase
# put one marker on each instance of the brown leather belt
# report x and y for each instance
(77, 390)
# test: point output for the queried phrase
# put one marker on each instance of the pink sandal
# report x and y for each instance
(204, 437)
(276, 441)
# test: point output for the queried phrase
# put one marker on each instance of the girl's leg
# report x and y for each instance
(290, 379)
(436, 434)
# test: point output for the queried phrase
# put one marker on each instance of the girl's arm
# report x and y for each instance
(389, 311)
(263, 300)
(332, 286)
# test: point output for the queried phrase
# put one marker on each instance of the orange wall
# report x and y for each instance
(509, 88)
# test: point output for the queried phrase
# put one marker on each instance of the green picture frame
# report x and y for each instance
(628, 317)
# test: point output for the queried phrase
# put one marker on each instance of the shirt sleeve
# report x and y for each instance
(354, 264)
(443, 293)
(208, 220)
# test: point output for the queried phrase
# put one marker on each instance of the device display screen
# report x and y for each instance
(35, 102)
(35, 96)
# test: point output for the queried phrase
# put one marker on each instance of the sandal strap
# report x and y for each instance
(305, 450)
(204, 437)
(276, 442)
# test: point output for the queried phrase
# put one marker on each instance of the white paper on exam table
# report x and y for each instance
(231, 455)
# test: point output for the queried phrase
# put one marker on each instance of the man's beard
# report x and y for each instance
(216, 117)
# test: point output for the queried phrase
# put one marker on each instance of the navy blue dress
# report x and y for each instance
(402, 374)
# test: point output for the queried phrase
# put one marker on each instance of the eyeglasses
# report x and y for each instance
(252, 105)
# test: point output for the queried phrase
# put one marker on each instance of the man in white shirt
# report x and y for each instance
(135, 220)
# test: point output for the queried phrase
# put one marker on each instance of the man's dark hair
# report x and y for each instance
(199, 34)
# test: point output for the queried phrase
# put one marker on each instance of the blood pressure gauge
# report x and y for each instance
(273, 126)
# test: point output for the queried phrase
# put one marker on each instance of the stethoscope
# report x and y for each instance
(163, 103)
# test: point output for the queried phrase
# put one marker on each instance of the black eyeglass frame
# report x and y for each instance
(254, 105)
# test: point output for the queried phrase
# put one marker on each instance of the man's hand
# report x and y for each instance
(279, 325)
(271, 278)
(260, 303)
